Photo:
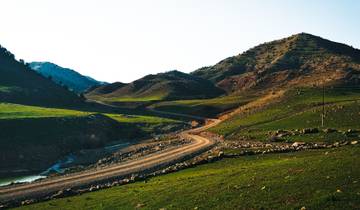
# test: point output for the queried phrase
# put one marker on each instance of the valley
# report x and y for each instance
(275, 127)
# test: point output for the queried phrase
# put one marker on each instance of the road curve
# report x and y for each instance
(46, 186)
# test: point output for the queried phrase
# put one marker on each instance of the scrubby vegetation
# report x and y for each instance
(298, 60)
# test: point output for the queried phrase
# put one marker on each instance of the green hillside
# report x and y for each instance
(298, 109)
(203, 107)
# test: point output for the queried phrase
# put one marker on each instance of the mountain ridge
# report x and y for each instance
(65, 76)
(169, 85)
(284, 62)
(19, 84)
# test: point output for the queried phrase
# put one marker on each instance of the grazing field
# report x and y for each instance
(157, 97)
(13, 111)
(202, 107)
(298, 109)
(315, 179)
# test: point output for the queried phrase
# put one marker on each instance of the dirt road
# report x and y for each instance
(149, 162)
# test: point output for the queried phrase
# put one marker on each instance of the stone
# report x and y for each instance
(329, 130)
(309, 130)
(27, 202)
(354, 142)
(297, 144)
(140, 205)
(274, 139)
(221, 154)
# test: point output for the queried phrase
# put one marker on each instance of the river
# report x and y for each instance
(59, 167)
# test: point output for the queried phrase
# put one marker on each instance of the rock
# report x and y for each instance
(221, 154)
(275, 139)
(309, 130)
(329, 130)
(27, 202)
(354, 142)
(134, 177)
(140, 205)
(94, 188)
(297, 144)
(350, 131)
(303, 208)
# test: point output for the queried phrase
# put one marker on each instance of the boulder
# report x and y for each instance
(297, 144)
(354, 142)
(309, 130)
(329, 130)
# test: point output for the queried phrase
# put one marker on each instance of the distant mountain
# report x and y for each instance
(299, 60)
(64, 76)
(19, 84)
(163, 86)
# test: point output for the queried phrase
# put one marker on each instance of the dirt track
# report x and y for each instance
(51, 185)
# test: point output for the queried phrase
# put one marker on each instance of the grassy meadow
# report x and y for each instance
(203, 107)
(298, 109)
(315, 179)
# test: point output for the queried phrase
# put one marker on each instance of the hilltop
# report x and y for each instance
(299, 60)
(64, 76)
(163, 86)
(19, 84)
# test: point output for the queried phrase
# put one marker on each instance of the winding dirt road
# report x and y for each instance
(165, 157)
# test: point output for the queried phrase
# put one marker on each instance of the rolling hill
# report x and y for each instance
(299, 60)
(19, 84)
(163, 86)
(64, 76)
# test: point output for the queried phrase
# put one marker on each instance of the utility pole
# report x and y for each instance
(323, 105)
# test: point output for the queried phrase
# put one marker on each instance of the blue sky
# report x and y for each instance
(117, 40)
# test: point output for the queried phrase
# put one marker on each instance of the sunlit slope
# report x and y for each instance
(296, 110)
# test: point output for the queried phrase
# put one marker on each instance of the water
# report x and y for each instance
(116, 147)
(20, 179)
(58, 167)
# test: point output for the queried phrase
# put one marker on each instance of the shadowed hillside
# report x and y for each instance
(19, 84)
(299, 60)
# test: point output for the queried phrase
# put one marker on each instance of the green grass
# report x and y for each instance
(141, 119)
(13, 111)
(153, 97)
(321, 179)
(136, 99)
(299, 109)
(203, 107)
